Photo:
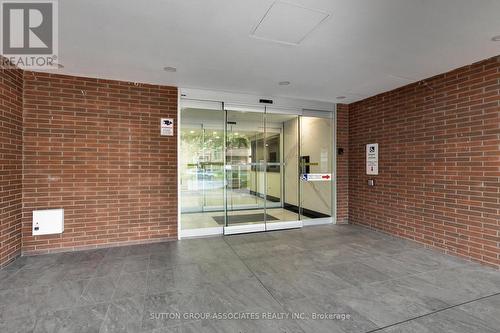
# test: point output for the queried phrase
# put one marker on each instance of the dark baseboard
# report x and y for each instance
(268, 197)
(306, 212)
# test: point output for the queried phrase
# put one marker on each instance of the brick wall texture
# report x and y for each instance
(11, 115)
(93, 147)
(439, 171)
(342, 164)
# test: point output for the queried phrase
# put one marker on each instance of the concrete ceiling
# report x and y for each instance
(362, 48)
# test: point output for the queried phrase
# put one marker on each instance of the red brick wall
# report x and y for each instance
(99, 155)
(11, 115)
(342, 163)
(439, 177)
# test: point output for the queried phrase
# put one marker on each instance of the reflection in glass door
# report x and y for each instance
(282, 170)
(316, 165)
(201, 164)
(245, 171)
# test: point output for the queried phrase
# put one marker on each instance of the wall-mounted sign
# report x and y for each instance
(316, 177)
(167, 127)
(372, 159)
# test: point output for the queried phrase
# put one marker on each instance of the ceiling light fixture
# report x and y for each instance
(341, 97)
(495, 38)
(170, 69)
(284, 83)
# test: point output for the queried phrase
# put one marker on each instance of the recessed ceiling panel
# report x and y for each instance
(288, 23)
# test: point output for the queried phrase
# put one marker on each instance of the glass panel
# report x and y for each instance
(316, 167)
(244, 168)
(245, 174)
(282, 176)
(201, 168)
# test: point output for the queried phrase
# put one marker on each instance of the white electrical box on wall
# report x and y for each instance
(48, 222)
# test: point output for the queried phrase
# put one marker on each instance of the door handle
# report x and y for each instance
(202, 164)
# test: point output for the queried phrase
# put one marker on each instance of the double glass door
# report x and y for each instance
(246, 169)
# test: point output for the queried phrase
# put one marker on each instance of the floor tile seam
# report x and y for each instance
(312, 266)
(50, 285)
(122, 270)
(368, 283)
(70, 308)
(39, 317)
(406, 276)
(437, 311)
(217, 283)
(112, 298)
(189, 290)
(86, 288)
(375, 283)
(23, 269)
(256, 277)
(256, 257)
(113, 301)
(145, 291)
(104, 317)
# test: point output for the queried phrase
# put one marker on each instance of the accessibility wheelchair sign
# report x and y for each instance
(316, 177)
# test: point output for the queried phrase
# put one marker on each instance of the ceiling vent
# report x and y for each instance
(288, 23)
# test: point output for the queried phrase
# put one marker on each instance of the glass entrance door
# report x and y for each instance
(282, 170)
(316, 165)
(201, 164)
(261, 170)
(245, 171)
(253, 169)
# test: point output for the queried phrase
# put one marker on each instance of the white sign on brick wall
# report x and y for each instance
(372, 159)
(167, 127)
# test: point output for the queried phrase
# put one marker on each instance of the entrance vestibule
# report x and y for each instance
(253, 168)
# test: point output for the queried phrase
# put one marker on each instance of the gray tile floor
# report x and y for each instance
(363, 280)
